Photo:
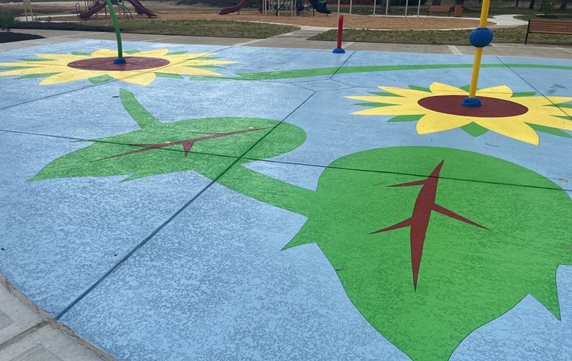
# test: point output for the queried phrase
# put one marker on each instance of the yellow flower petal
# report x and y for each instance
(159, 53)
(379, 99)
(511, 129)
(411, 94)
(436, 122)
(32, 64)
(59, 59)
(497, 91)
(567, 112)
(406, 109)
(198, 55)
(185, 70)
(544, 111)
(534, 101)
(552, 122)
(67, 77)
(193, 62)
(103, 53)
(140, 79)
(444, 89)
(26, 71)
(559, 100)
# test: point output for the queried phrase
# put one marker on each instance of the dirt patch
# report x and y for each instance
(350, 21)
(168, 11)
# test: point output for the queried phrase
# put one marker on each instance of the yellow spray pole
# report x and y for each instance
(480, 37)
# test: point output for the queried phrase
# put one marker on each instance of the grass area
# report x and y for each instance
(217, 28)
(470, 9)
(7, 37)
(452, 37)
(560, 16)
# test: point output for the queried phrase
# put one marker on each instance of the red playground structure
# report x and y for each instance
(99, 5)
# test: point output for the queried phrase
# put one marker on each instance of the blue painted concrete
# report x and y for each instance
(527, 332)
(217, 276)
(97, 112)
(215, 283)
(60, 236)
(220, 288)
(333, 132)
(252, 59)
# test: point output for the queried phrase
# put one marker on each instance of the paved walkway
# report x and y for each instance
(28, 334)
(298, 39)
(508, 20)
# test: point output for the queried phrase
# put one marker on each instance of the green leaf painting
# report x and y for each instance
(469, 275)
(429, 243)
(207, 146)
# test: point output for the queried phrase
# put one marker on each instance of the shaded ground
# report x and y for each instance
(6, 37)
(350, 21)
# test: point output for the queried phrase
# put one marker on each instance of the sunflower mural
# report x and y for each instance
(439, 108)
(142, 68)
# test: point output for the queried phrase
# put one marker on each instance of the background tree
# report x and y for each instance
(547, 6)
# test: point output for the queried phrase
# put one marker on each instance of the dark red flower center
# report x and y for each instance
(106, 64)
(490, 107)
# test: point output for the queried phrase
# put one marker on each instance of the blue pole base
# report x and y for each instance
(471, 102)
(119, 61)
(339, 51)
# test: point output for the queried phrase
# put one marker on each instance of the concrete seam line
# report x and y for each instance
(145, 240)
(342, 65)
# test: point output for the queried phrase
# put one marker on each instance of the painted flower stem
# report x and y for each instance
(269, 190)
(258, 186)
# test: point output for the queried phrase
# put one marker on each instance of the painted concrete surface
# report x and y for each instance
(82, 223)
(231, 284)
(239, 216)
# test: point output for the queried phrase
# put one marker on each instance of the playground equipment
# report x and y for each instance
(274, 7)
(339, 49)
(120, 59)
(320, 6)
(99, 5)
(233, 9)
(405, 3)
(480, 37)
(28, 9)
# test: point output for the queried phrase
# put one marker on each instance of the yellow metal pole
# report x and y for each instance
(476, 69)
(479, 51)
(485, 13)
